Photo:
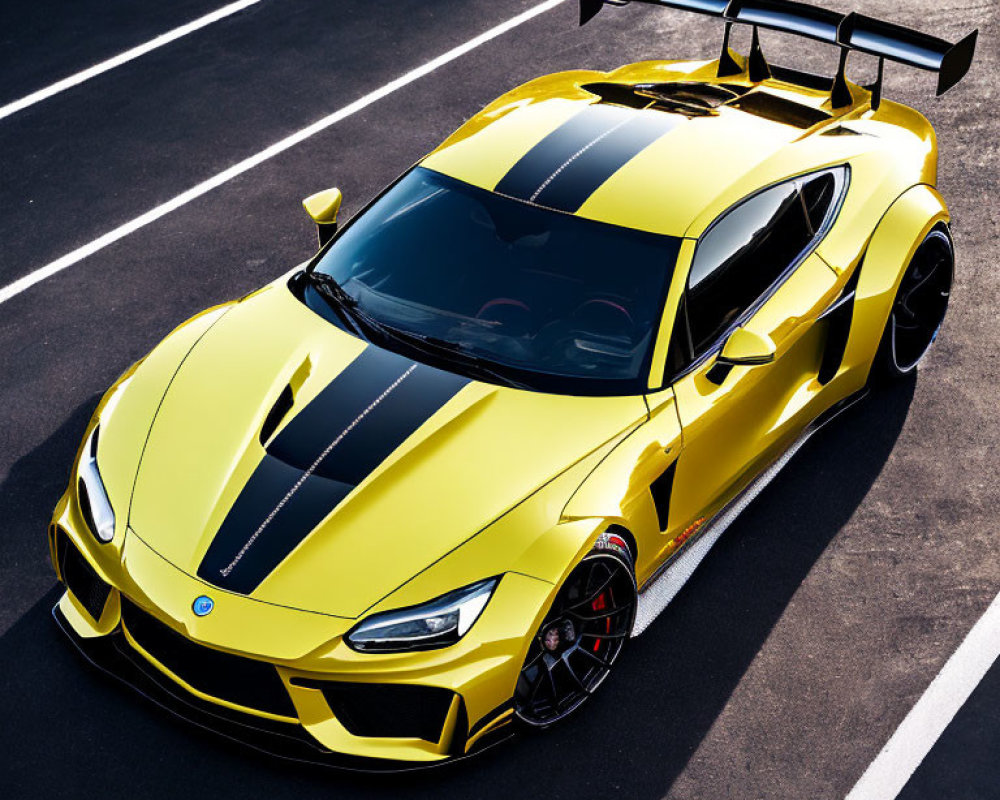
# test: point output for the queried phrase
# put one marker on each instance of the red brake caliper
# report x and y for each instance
(599, 604)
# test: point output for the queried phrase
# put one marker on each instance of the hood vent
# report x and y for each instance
(277, 413)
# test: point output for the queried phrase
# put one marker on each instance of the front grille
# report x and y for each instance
(80, 577)
(386, 710)
(244, 681)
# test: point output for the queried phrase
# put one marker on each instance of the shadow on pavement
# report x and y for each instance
(27, 496)
(79, 733)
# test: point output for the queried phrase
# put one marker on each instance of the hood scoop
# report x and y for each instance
(317, 458)
(277, 413)
(285, 401)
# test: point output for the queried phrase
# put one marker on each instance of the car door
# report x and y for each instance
(754, 277)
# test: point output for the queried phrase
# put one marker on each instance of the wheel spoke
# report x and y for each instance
(596, 593)
(546, 691)
(594, 657)
(913, 292)
(572, 672)
(595, 569)
(604, 635)
(599, 615)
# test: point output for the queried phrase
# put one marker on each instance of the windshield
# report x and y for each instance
(555, 302)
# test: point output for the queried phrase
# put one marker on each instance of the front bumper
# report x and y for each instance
(326, 705)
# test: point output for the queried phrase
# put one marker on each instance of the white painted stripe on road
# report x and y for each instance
(889, 772)
(277, 148)
(123, 58)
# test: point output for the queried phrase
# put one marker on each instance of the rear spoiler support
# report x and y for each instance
(851, 32)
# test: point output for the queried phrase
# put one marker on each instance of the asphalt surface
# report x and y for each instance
(803, 639)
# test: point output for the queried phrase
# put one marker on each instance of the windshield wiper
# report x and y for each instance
(453, 351)
(339, 300)
(363, 323)
(346, 306)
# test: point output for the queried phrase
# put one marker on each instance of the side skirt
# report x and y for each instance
(669, 579)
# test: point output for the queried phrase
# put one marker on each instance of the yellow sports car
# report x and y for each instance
(422, 490)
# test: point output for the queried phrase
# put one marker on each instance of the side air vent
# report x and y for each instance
(661, 490)
(277, 413)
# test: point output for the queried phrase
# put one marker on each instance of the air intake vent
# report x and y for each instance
(688, 98)
(386, 710)
(80, 577)
(244, 681)
(699, 95)
(778, 109)
(618, 94)
(277, 413)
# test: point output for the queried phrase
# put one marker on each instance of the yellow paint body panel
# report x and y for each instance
(497, 481)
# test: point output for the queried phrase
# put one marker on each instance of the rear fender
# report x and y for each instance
(910, 218)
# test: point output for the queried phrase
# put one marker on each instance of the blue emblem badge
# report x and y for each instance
(203, 605)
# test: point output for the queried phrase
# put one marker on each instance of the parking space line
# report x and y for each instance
(71, 258)
(123, 58)
(913, 739)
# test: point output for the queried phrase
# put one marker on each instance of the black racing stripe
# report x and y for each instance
(384, 428)
(248, 547)
(579, 179)
(573, 161)
(303, 511)
(311, 430)
(531, 170)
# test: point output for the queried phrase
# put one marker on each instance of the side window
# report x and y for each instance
(818, 195)
(749, 248)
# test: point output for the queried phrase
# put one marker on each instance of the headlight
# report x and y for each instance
(439, 623)
(94, 503)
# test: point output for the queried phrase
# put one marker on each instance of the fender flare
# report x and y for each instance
(899, 233)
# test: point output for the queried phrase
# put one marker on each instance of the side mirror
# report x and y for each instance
(744, 348)
(323, 208)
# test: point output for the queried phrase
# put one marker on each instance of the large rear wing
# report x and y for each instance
(850, 32)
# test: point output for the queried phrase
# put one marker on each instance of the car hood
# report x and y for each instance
(294, 463)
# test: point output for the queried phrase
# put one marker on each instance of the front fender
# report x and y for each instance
(126, 413)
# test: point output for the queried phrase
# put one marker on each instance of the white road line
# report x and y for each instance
(277, 148)
(888, 773)
(123, 58)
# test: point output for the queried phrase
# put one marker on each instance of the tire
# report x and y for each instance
(918, 310)
(583, 634)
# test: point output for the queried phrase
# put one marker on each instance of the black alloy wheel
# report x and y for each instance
(582, 635)
(920, 306)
